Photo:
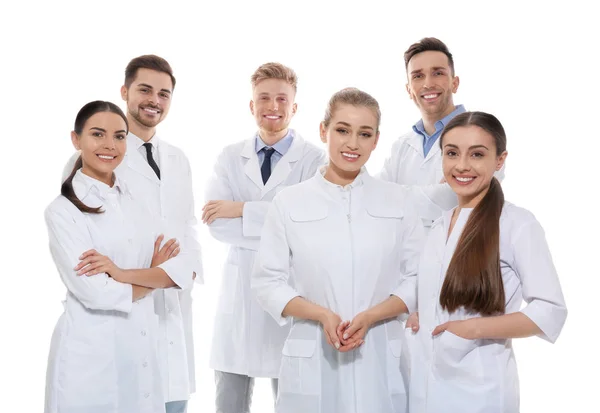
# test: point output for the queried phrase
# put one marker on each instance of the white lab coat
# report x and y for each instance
(421, 174)
(170, 198)
(453, 374)
(346, 249)
(246, 340)
(103, 355)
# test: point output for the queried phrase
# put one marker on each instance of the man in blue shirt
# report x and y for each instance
(416, 159)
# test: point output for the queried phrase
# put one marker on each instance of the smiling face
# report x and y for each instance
(351, 135)
(431, 84)
(469, 161)
(273, 107)
(148, 98)
(102, 143)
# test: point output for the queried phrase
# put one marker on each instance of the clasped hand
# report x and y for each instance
(345, 336)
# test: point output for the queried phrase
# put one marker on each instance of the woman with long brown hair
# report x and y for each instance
(103, 355)
(481, 261)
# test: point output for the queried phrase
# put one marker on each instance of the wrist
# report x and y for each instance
(476, 327)
(241, 209)
(323, 315)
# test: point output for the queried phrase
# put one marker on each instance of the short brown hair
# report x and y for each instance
(355, 97)
(148, 61)
(428, 44)
(274, 70)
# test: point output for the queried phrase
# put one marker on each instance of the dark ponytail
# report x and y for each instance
(473, 279)
(86, 112)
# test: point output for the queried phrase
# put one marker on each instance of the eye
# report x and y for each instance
(282, 99)
(366, 135)
(120, 137)
(264, 98)
(451, 153)
(144, 90)
(164, 95)
(97, 134)
(477, 155)
(342, 131)
(417, 76)
(438, 73)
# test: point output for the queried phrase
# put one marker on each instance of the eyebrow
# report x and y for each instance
(104, 130)
(470, 147)
(268, 94)
(348, 125)
(150, 87)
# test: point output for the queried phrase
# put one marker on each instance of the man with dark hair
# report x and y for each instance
(416, 158)
(160, 175)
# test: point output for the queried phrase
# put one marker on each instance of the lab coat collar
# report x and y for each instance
(362, 177)
(85, 185)
(136, 161)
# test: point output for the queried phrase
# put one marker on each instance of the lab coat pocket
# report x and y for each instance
(308, 213)
(397, 362)
(300, 372)
(457, 359)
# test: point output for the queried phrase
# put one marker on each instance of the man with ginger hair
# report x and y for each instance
(247, 342)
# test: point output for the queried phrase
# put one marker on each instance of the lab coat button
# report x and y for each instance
(145, 364)
(143, 332)
(171, 343)
(147, 395)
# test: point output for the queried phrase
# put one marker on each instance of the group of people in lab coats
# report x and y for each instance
(393, 293)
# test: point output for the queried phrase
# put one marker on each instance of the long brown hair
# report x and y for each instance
(473, 279)
(86, 112)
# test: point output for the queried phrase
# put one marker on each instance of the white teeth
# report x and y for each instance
(350, 155)
(272, 117)
(430, 96)
(110, 158)
(459, 179)
(151, 110)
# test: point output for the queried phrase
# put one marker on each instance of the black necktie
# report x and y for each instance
(265, 169)
(151, 160)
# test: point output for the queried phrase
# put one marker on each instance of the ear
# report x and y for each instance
(323, 132)
(501, 160)
(408, 91)
(294, 108)
(124, 93)
(75, 140)
(376, 140)
(252, 107)
(455, 83)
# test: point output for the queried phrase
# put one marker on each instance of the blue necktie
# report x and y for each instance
(265, 169)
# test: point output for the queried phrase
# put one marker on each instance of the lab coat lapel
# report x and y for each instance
(136, 161)
(251, 167)
(285, 164)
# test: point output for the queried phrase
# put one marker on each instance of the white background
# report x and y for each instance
(535, 67)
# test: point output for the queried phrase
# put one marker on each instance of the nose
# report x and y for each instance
(109, 143)
(463, 164)
(352, 142)
(427, 82)
(274, 105)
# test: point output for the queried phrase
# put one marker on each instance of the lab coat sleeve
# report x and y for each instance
(411, 245)
(539, 281)
(227, 230)
(69, 238)
(272, 267)
(191, 243)
(253, 217)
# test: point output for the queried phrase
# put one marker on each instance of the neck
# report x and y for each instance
(271, 138)
(107, 178)
(338, 176)
(471, 201)
(143, 132)
(430, 119)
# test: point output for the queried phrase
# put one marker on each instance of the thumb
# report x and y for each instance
(439, 329)
(351, 330)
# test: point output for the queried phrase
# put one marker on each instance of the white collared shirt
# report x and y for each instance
(155, 141)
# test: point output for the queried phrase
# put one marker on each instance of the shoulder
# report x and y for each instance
(404, 140)
(62, 209)
(298, 194)
(516, 220)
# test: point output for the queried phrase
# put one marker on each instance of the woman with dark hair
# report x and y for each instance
(103, 351)
(481, 261)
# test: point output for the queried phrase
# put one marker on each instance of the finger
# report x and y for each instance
(157, 243)
(340, 330)
(92, 269)
(172, 247)
(88, 253)
(213, 216)
(98, 269)
(328, 338)
(83, 264)
(334, 339)
(439, 329)
(351, 330)
(176, 253)
(208, 213)
(166, 248)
